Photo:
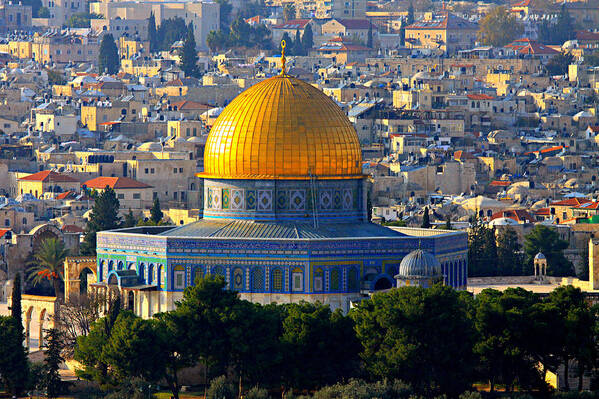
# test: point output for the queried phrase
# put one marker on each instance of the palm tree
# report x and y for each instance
(48, 263)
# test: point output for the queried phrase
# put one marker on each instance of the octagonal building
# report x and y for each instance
(284, 215)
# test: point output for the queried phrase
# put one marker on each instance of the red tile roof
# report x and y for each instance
(542, 212)
(65, 195)
(3, 232)
(463, 155)
(499, 183)
(191, 105)
(115, 183)
(519, 215)
(586, 35)
(354, 23)
(49, 176)
(293, 24)
(480, 97)
(71, 228)
(571, 202)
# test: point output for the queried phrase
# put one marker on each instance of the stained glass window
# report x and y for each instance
(277, 280)
(352, 280)
(335, 284)
(238, 279)
(257, 279)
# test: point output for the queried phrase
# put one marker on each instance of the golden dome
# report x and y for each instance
(282, 128)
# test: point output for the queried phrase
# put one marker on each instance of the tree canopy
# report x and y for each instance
(108, 58)
(499, 27)
(547, 241)
(103, 216)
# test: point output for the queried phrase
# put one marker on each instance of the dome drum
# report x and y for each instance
(285, 200)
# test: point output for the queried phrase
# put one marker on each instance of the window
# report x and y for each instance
(352, 280)
(7, 125)
(7, 222)
(174, 170)
(318, 280)
(160, 276)
(199, 273)
(121, 196)
(257, 279)
(187, 132)
(180, 170)
(277, 280)
(297, 279)
(179, 277)
(151, 273)
(335, 280)
(152, 170)
(136, 196)
(24, 220)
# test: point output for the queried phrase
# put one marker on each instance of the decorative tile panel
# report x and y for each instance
(347, 199)
(251, 200)
(237, 199)
(282, 199)
(326, 199)
(337, 199)
(297, 200)
(264, 200)
(225, 198)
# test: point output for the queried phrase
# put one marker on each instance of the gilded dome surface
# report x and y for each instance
(282, 128)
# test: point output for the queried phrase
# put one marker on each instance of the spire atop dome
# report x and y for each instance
(283, 59)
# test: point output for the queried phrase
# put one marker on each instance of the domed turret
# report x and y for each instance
(419, 268)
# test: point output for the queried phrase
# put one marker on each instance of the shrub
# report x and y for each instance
(220, 388)
(257, 393)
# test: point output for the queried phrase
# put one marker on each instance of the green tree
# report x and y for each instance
(52, 361)
(240, 33)
(82, 20)
(225, 13)
(156, 214)
(108, 58)
(426, 222)
(503, 324)
(298, 48)
(400, 332)
(217, 40)
(307, 330)
(129, 219)
(170, 31)
(189, 55)
(547, 241)
(131, 350)
(308, 39)
(410, 17)
(482, 249)
(104, 216)
(559, 31)
(152, 33)
(558, 64)
(44, 12)
(48, 263)
(509, 257)
(14, 366)
(288, 44)
(575, 337)
(448, 222)
(499, 27)
(15, 307)
(369, 41)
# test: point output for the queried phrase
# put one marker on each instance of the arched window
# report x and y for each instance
(335, 280)
(297, 279)
(318, 280)
(151, 273)
(238, 279)
(277, 280)
(160, 276)
(110, 265)
(102, 269)
(353, 280)
(257, 279)
(143, 272)
(179, 277)
(119, 266)
(197, 274)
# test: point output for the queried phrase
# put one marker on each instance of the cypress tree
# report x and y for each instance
(152, 32)
(448, 223)
(308, 39)
(298, 47)
(104, 216)
(15, 307)
(52, 362)
(156, 214)
(108, 59)
(410, 18)
(129, 219)
(189, 55)
(369, 43)
(426, 223)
